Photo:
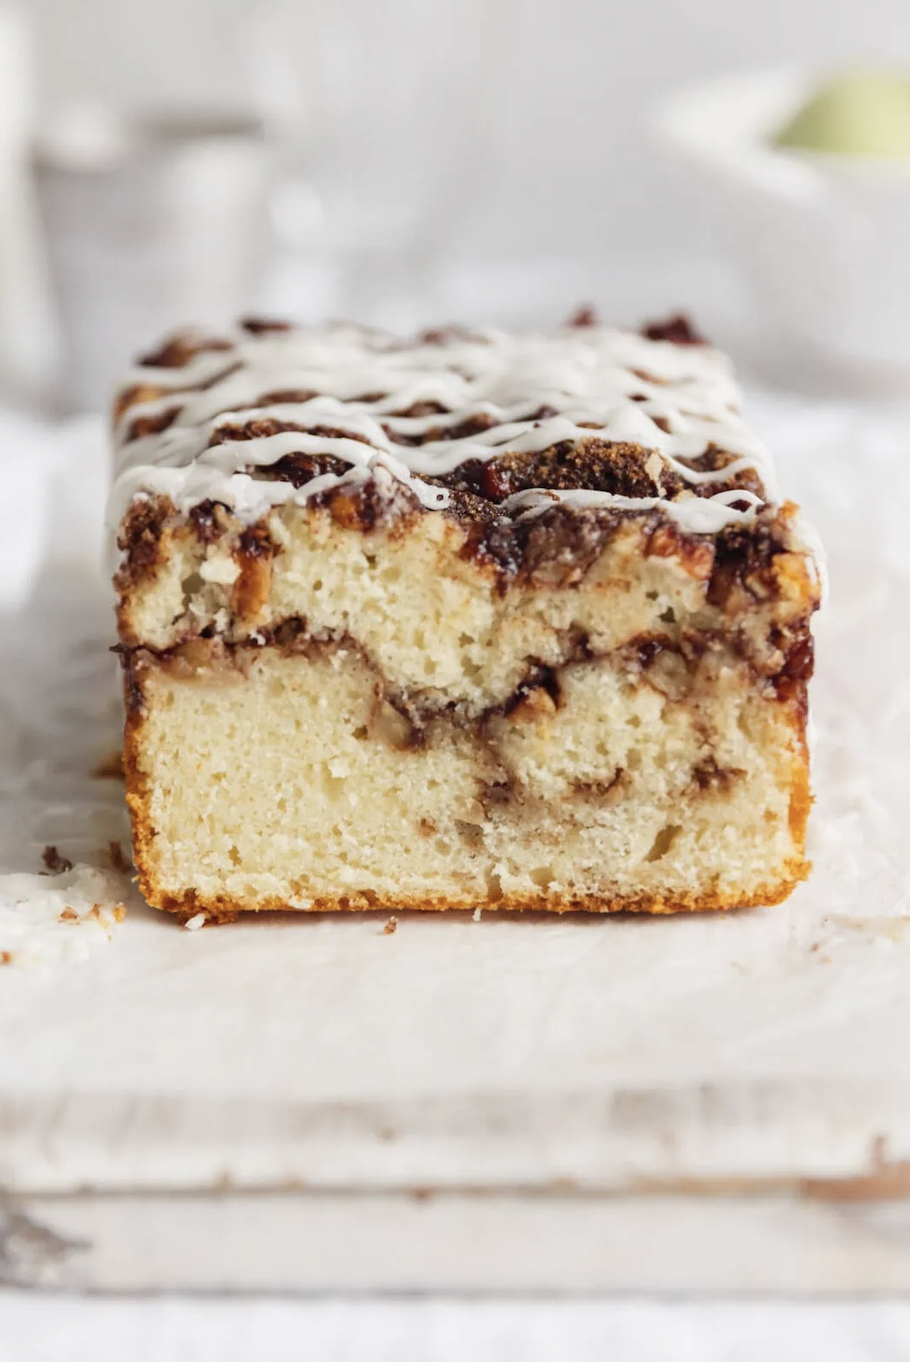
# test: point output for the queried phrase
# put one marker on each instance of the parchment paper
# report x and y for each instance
(809, 999)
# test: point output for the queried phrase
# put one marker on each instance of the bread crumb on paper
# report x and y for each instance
(54, 863)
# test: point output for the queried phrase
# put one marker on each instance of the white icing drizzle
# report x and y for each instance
(704, 515)
(613, 385)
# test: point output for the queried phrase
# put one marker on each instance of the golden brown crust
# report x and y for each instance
(136, 785)
(221, 909)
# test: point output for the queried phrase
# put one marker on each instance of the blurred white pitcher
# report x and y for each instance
(822, 238)
(149, 222)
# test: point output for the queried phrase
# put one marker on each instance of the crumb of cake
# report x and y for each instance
(111, 768)
(677, 329)
(54, 863)
(49, 919)
(117, 858)
(583, 316)
(195, 922)
(390, 927)
(263, 326)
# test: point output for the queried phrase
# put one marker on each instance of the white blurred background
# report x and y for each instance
(492, 159)
(547, 128)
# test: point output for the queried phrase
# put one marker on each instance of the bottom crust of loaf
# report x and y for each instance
(274, 780)
(217, 911)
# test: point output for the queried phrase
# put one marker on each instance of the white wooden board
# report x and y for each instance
(308, 1103)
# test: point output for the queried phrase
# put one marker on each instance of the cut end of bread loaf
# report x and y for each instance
(356, 700)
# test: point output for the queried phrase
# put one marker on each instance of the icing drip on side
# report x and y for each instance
(348, 391)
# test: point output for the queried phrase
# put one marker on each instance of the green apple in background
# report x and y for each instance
(860, 114)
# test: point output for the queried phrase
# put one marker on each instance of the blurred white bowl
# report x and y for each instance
(823, 239)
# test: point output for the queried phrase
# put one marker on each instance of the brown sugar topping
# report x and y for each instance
(179, 350)
(152, 425)
(585, 316)
(595, 465)
(263, 326)
(677, 329)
